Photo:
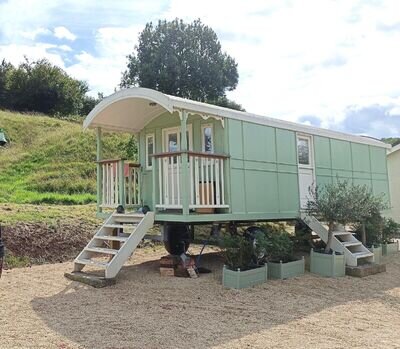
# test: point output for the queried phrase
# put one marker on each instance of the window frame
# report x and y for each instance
(309, 139)
(203, 145)
(148, 136)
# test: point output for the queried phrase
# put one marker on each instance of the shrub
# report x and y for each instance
(279, 245)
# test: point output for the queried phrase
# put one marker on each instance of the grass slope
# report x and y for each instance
(50, 160)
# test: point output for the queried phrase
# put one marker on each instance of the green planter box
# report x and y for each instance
(390, 248)
(377, 251)
(242, 279)
(330, 265)
(286, 270)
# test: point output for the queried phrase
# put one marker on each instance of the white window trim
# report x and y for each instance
(149, 135)
(309, 138)
(203, 146)
(177, 129)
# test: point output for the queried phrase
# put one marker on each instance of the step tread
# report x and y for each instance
(351, 243)
(101, 250)
(121, 226)
(342, 233)
(111, 238)
(92, 262)
(363, 254)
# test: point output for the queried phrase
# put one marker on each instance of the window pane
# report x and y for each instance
(303, 150)
(172, 142)
(207, 139)
(150, 151)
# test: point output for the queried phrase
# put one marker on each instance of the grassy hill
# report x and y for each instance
(51, 161)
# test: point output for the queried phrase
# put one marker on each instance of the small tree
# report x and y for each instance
(343, 202)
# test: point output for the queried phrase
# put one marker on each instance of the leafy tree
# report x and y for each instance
(393, 141)
(42, 87)
(183, 60)
(5, 71)
(343, 202)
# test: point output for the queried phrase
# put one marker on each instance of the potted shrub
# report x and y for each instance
(242, 267)
(279, 255)
(343, 203)
(390, 231)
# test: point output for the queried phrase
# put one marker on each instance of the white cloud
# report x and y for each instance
(64, 33)
(315, 58)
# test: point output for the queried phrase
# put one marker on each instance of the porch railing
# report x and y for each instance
(120, 183)
(206, 187)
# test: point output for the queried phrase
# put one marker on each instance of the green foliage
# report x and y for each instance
(52, 161)
(239, 252)
(379, 230)
(391, 140)
(11, 261)
(344, 202)
(42, 87)
(183, 60)
(278, 244)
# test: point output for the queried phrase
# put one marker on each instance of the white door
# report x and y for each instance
(306, 168)
(172, 173)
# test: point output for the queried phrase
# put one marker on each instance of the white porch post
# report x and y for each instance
(184, 183)
(99, 156)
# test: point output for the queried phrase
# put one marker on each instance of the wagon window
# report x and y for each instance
(207, 139)
(303, 151)
(149, 151)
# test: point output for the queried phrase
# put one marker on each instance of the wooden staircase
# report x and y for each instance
(116, 240)
(343, 242)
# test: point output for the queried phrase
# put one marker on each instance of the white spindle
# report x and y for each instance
(207, 183)
(178, 181)
(212, 181)
(222, 183)
(191, 174)
(160, 174)
(196, 179)
(217, 182)
(202, 181)
(173, 169)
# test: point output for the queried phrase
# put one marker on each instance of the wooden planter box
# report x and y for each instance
(377, 251)
(286, 270)
(242, 279)
(390, 248)
(330, 265)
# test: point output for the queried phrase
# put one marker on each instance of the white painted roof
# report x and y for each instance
(130, 110)
(394, 149)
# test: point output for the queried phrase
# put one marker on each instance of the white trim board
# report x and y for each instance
(171, 103)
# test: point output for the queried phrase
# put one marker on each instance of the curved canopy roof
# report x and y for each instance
(130, 110)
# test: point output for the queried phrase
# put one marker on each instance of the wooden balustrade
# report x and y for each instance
(205, 174)
(120, 183)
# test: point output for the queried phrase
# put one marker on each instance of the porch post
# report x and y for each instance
(184, 185)
(99, 156)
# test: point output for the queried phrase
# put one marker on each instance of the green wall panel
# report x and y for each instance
(380, 187)
(261, 191)
(288, 192)
(360, 156)
(378, 160)
(322, 180)
(322, 152)
(235, 139)
(259, 142)
(260, 166)
(238, 202)
(341, 155)
(286, 147)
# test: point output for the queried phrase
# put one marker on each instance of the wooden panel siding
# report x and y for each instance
(264, 174)
(360, 163)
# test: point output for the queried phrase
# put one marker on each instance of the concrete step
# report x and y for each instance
(128, 217)
(101, 250)
(341, 233)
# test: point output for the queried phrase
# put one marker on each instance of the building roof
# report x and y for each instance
(394, 149)
(130, 110)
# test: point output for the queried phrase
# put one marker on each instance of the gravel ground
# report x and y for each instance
(39, 308)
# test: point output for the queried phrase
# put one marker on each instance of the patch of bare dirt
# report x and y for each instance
(46, 243)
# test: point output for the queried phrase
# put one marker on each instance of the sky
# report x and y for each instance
(332, 64)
